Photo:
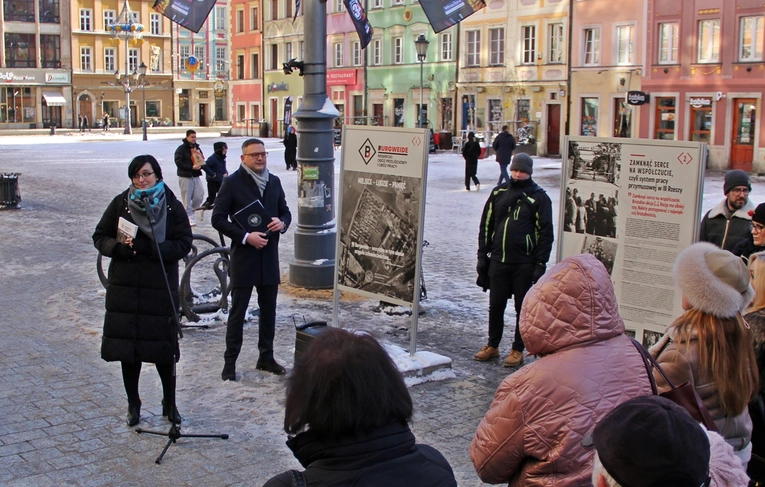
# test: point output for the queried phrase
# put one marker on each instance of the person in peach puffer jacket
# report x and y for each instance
(532, 433)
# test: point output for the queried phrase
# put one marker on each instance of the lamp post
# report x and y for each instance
(142, 74)
(125, 29)
(421, 44)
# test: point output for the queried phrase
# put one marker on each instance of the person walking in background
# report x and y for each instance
(514, 243)
(79, 122)
(85, 125)
(139, 325)
(215, 169)
(189, 161)
(531, 436)
(727, 224)
(254, 254)
(106, 122)
(755, 316)
(755, 241)
(471, 151)
(290, 148)
(347, 415)
(710, 345)
(504, 145)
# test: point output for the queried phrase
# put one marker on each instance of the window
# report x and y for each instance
(254, 65)
(110, 59)
(591, 47)
(86, 59)
(701, 120)
(185, 53)
(446, 47)
(19, 11)
(398, 2)
(253, 18)
(668, 42)
(523, 107)
(109, 16)
(184, 108)
(665, 118)
(240, 66)
(625, 44)
(302, 49)
(473, 48)
(50, 51)
(274, 9)
(622, 118)
(255, 112)
(240, 20)
(220, 60)
(199, 53)
(709, 41)
(751, 39)
(555, 43)
(49, 11)
(132, 60)
(398, 50)
(152, 109)
(337, 49)
(86, 19)
(529, 35)
(288, 9)
(497, 46)
(377, 52)
(377, 4)
(241, 111)
(155, 21)
(357, 53)
(220, 18)
(135, 17)
(274, 56)
(288, 51)
(590, 117)
(339, 7)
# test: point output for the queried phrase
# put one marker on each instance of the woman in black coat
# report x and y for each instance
(290, 148)
(471, 151)
(139, 325)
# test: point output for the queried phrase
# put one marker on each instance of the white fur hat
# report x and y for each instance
(713, 280)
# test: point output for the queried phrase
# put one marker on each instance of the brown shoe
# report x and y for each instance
(514, 359)
(487, 353)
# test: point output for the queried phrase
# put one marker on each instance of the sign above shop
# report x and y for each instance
(637, 98)
(700, 102)
(31, 76)
(341, 77)
(54, 78)
(278, 87)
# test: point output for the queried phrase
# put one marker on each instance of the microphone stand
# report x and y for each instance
(175, 430)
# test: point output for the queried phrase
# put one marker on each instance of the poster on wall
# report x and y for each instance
(634, 204)
(383, 171)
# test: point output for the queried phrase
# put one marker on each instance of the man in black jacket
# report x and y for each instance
(189, 161)
(254, 254)
(514, 244)
(504, 144)
(215, 169)
(728, 223)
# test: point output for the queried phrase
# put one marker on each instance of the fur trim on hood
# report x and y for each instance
(719, 209)
(713, 280)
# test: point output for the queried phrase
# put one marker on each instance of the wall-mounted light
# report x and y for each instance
(666, 70)
(562, 93)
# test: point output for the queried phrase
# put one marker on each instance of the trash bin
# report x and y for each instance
(263, 129)
(53, 129)
(445, 140)
(484, 151)
(305, 333)
(10, 194)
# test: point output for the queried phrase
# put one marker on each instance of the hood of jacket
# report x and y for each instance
(743, 212)
(573, 303)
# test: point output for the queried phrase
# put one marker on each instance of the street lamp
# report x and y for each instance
(142, 74)
(421, 44)
(125, 29)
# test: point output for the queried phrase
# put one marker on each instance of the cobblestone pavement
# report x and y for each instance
(62, 408)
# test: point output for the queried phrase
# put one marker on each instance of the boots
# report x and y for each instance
(171, 412)
(133, 413)
(229, 371)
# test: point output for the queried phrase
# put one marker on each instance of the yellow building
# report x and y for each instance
(97, 57)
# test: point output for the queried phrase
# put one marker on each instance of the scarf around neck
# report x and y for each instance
(260, 179)
(157, 206)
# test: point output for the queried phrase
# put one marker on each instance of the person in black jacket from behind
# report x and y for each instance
(290, 148)
(471, 151)
(347, 414)
(139, 325)
(215, 169)
(504, 144)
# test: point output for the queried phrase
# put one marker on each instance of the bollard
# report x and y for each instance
(53, 130)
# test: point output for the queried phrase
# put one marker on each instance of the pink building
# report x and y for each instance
(345, 65)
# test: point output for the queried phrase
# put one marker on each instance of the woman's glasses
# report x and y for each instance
(142, 175)
(757, 228)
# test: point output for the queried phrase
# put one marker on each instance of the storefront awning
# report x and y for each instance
(54, 99)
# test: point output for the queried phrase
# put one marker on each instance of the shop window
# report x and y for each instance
(589, 122)
(701, 120)
(665, 118)
(19, 10)
(20, 51)
(622, 118)
(152, 109)
(50, 51)
(49, 11)
(184, 106)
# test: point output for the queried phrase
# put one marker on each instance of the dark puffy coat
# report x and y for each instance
(215, 167)
(250, 266)
(516, 224)
(504, 144)
(471, 151)
(385, 457)
(184, 162)
(756, 321)
(716, 228)
(138, 325)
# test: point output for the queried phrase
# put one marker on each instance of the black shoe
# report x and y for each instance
(133, 414)
(229, 372)
(173, 416)
(271, 366)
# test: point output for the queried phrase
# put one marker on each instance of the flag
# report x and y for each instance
(444, 14)
(360, 21)
(185, 13)
(297, 9)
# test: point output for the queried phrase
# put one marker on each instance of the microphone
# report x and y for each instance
(147, 206)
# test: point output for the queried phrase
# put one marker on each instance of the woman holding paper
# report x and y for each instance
(141, 224)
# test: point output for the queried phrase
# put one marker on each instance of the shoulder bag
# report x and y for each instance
(297, 478)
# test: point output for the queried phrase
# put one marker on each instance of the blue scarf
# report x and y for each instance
(157, 206)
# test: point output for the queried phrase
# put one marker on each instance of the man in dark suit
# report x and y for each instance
(254, 254)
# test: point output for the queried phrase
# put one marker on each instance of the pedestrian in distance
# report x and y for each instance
(189, 161)
(290, 148)
(254, 254)
(531, 435)
(710, 344)
(471, 151)
(504, 145)
(514, 243)
(347, 413)
(215, 170)
(85, 125)
(79, 123)
(139, 325)
(106, 122)
(755, 316)
(727, 223)
(755, 241)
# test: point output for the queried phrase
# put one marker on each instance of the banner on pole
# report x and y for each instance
(443, 14)
(190, 14)
(360, 21)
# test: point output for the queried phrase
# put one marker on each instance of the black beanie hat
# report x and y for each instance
(736, 178)
(219, 146)
(522, 162)
(758, 215)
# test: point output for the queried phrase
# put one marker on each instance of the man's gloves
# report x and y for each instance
(539, 270)
(482, 268)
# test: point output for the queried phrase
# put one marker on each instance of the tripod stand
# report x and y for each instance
(175, 430)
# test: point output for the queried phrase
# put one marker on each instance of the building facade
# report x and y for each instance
(346, 63)
(246, 66)
(35, 64)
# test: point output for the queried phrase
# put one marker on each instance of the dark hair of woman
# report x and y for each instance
(139, 161)
(345, 383)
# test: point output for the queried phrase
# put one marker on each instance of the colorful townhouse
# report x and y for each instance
(245, 80)
(346, 66)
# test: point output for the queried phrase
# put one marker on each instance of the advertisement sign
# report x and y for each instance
(635, 205)
(637, 98)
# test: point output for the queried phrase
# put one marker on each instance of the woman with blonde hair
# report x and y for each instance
(710, 344)
(755, 316)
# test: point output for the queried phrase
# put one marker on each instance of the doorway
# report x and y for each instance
(377, 113)
(203, 114)
(744, 130)
(86, 109)
(553, 129)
